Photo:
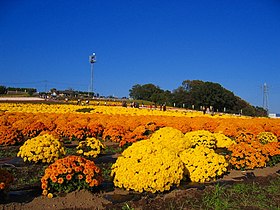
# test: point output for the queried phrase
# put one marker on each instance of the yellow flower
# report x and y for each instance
(50, 195)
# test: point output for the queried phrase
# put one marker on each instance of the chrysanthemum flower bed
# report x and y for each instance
(91, 147)
(166, 146)
(255, 153)
(69, 174)
(202, 164)
(45, 149)
(146, 166)
(158, 163)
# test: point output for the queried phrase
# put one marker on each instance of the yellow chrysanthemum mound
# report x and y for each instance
(203, 164)
(266, 137)
(223, 141)
(171, 138)
(91, 147)
(147, 166)
(45, 148)
(201, 137)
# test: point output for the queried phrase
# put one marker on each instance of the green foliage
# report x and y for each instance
(249, 196)
(149, 92)
(198, 94)
(127, 207)
(3, 89)
(216, 199)
(30, 91)
(84, 110)
(273, 160)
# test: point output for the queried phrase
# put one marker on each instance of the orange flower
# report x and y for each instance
(2, 185)
(65, 170)
(60, 180)
(44, 186)
(53, 178)
(80, 176)
(78, 168)
(68, 177)
(97, 170)
(85, 171)
(88, 179)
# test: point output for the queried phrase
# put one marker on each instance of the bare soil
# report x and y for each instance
(108, 197)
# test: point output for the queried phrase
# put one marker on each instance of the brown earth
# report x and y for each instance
(108, 197)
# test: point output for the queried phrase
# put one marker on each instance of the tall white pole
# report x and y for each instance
(92, 60)
(91, 79)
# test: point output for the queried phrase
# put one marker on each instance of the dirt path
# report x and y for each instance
(9, 99)
(99, 200)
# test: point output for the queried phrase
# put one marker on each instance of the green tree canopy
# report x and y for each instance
(3, 89)
(147, 92)
(196, 93)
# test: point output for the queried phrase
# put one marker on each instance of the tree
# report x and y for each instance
(181, 97)
(3, 89)
(148, 92)
(199, 94)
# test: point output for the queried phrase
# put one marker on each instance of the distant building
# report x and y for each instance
(274, 115)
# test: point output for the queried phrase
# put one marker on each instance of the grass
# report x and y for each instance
(8, 152)
(253, 195)
(256, 194)
(113, 150)
(127, 207)
(106, 171)
(27, 175)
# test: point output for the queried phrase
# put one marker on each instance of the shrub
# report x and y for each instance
(247, 155)
(223, 141)
(10, 136)
(266, 137)
(201, 137)
(69, 174)
(91, 147)
(114, 133)
(273, 150)
(171, 138)
(203, 164)
(43, 149)
(244, 136)
(147, 166)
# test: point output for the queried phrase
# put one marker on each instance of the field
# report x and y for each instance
(135, 158)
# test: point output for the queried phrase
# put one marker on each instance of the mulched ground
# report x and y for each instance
(108, 197)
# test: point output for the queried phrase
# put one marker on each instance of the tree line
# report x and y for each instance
(198, 95)
(5, 90)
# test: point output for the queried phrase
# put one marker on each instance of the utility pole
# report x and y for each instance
(265, 96)
(92, 60)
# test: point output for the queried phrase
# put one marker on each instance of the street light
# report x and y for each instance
(92, 60)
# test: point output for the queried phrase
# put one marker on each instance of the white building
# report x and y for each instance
(273, 115)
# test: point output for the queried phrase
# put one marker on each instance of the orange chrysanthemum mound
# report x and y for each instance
(69, 174)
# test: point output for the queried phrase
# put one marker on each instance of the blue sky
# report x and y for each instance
(46, 44)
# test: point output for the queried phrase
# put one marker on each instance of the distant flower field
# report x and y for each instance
(163, 147)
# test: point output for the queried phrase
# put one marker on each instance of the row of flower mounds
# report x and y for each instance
(115, 198)
(107, 186)
(24, 171)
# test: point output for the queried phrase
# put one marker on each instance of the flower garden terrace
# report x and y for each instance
(20, 121)
(112, 108)
(164, 147)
